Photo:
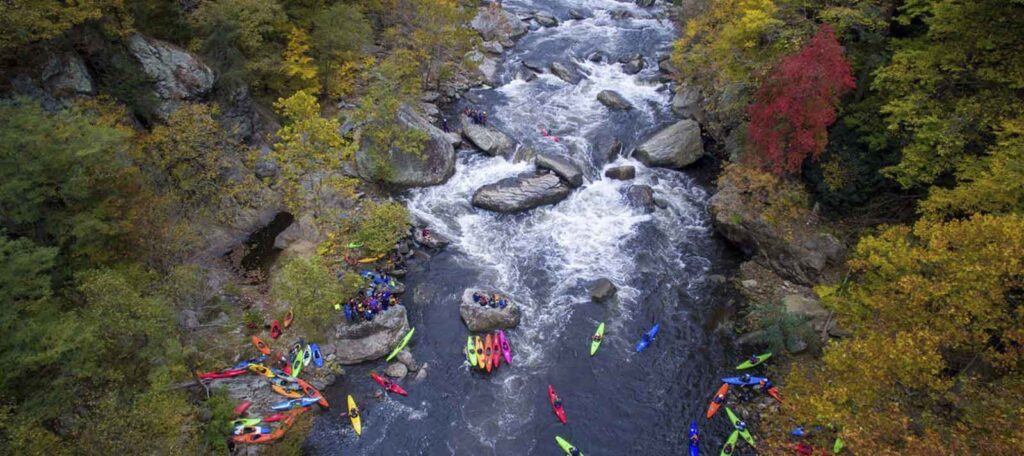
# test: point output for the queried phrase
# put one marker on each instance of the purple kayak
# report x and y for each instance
(506, 349)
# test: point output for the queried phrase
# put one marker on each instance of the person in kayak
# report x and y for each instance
(558, 402)
(574, 451)
(745, 378)
(741, 425)
(352, 413)
(597, 337)
(727, 449)
(766, 385)
(719, 399)
(753, 359)
(695, 439)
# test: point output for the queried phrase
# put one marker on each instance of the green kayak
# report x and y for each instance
(470, 351)
(838, 446)
(730, 445)
(595, 342)
(297, 363)
(745, 433)
(760, 359)
(567, 447)
(245, 422)
(354, 245)
(401, 345)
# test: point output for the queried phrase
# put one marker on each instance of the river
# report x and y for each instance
(617, 402)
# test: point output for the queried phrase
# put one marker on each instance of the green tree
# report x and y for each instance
(27, 21)
(244, 40)
(298, 65)
(394, 83)
(311, 290)
(381, 225)
(339, 50)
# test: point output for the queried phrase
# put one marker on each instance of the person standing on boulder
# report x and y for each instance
(444, 124)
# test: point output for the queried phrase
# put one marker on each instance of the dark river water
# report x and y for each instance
(618, 402)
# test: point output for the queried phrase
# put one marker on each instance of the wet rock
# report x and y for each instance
(405, 357)
(576, 14)
(563, 167)
(660, 203)
(621, 14)
(176, 74)
(524, 154)
(632, 64)
(517, 194)
(602, 289)
(614, 150)
(487, 318)
(644, 3)
(396, 370)
(676, 146)
(641, 196)
(378, 394)
(546, 20)
(493, 47)
(488, 139)
(525, 74)
(429, 239)
(565, 73)
(534, 65)
(688, 104)
(625, 172)
(422, 373)
(598, 56)
(397, 167)
(614, 100)
(497, 24)
(369, 340)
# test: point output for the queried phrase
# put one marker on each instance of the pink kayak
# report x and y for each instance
(506, 349)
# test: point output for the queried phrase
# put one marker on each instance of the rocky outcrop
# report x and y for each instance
(625, 172)
(641, 196)
(602, 289)
(676, 146)
(497, 24)
(433, 165)
(565, 73)
(492, 47)
(545, 19)
(487, 318)
(520, 193)
(534, 65)
(614, 100)
(177, 75)
(66, 75)
(358, 342)
(563, 167)
(488, 139)
(486, 67)
(688, 104)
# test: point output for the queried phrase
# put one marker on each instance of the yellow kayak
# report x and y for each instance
(480, 353)
(357, 422)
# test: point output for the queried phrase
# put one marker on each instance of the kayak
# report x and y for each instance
(694, 445)
(480, 353)
(286, 383)
(370, 259)
(648, 338)
(242, 430)
(275, 329)
(290, 394)
(246, 363)
(559, 409)
(357, 422)
(495, 351)
(401, 345)
(289, 317)
(470, 351)
(745, 433)
(273, 418)
(312, 393)
(282, 374)
(243, 422)
(262, 347)
(318, 356)
(307, 356)
(261, 370)
(506, 349)
(293, 403)
(595, 344)
(759, 359)
(388, 384)
(354, 245)
(222, 374)
(838, 445)
(258, 438)
(242, 407)
(297, 363)
(567, 447)
(730, 445)
(739, 381)
(487, 353)
(774, 392)
(713, 408)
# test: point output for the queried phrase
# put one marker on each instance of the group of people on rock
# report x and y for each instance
(376, 297)
(494, 300)
(478, 117)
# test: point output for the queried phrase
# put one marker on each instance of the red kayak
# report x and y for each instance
(274, 418)
(388, 384)
(774, 392)
(275, 330)
(312, 392)
(496, 351)
(558, 408)
(241, 408)
(223, 374)
(803, 448)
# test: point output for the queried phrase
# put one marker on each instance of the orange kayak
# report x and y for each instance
(288, 317)
(262, 347)
(496, 352)
(488, 354)
(259, 438)
(722, 392)
(774, 392)
(312, 392)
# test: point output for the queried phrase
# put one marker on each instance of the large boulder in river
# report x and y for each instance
(487, 318)
(624, 172)
(563, 167)
(489, 139)
(546, 19)
(497, 24)
(632, 64)
(565, 72)
(676, 146)
(370, 340)
(602, 289)
(176, 74)
(520, 193)
(641, 196)
(614, 100)
(433, 165)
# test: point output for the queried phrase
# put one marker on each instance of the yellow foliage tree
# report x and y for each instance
(298, 65)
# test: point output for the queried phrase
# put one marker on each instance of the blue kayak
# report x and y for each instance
(739, 381)
(318, 356)
(295, 403)
(694, 442)
(798, 432)
(647, 339)
(246, 363)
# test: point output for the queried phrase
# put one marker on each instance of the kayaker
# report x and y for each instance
(741, 425)
(573, 451)
(766, 385)
(558, 402)
(719, 399)
(695, 439)
(727, 449)
(745, 378)
(753, 359)
(597, 337)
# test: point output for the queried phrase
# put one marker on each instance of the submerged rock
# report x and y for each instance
(614, 100)
(641, 196)
(563, 167)
(489, 139)
(632, 64)
(565, 73)
(517, 194)
(676, 146)
(487, 318)
(369, 340)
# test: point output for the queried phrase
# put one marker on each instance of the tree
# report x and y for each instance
(338, 50)
(311, 291)
(381, 226)
(797, 103)
(244, 40)
(27, 21)
(394, 83)
(440, 38)
(298, 65)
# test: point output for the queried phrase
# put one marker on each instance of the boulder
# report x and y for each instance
(358, 342)
(524, 154)
(641, 196)
(422, 373)
(688, 104)
(602, 289)
(405, 357)
(614, 150)
(400, 168)
(545, 19)
(576, 14)
(625, 172)
(487, 318)
(565, 73)
(534, 65)
(621, 14)
(806, 307)
(429, 239)
(632, 64)
(520, 193)
(525, 74)
(66, 75)
(563, 167)
(176, 74)
(597, 56)
(497, 24)
(486, 67)
(488, 139)
(676, 146)
(752, 339)
(396, 370)
(644, 3)
(614, 100)
(493, 47)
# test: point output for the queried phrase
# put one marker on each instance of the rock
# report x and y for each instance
(687, 104)
(534, 65)
(488, 139)
(497, 24)
(632, 64)
(644, 3)
(245, 120)
(396, 370)
(378, 394)
(487, 318)
(422, 373)
(717, 279)
(660, 203)
(750, 339)
(66, 75)
(430, 110)
(455, 139)
(625, 172)
(525, 74)
(429, 239)
(486, 67)
(176, 74)
(804, 306)
(369, 340)
(597, 56)
(565, 73)
(614, 100)
(188, 320)
(524, 154)
(431, 96)
(641, 196)
(576, 15)
(602, 289)
(400, 168)
(665, 66)
(563, 167)
(517, 194)
(796, 345)
(676, 146)
(545, 19)
(749, 283)
(621, 14)
(493, 47)
(614, 150)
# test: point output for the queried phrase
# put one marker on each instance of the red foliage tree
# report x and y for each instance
(794, 107)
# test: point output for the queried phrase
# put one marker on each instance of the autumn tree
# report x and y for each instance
(298, 65)
(27, 21)
(797, 103)
(309, 288)
(339, 50)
